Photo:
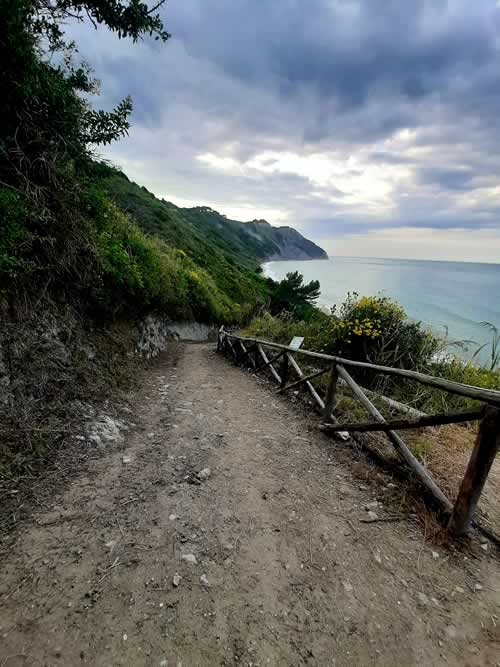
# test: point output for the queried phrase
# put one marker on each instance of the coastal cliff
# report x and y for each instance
(200, 230)
(287, 243)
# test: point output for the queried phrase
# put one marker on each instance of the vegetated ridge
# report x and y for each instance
(243, 241)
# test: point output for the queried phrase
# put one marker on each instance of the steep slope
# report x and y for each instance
(286, 242)
(200, 231)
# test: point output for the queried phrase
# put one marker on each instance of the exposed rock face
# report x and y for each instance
(282, 243)
(155, 332)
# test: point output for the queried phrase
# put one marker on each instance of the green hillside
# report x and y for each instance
(228, 250)
(233, 266)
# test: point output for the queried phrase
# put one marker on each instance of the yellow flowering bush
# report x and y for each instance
(367, 328)
(377, 329)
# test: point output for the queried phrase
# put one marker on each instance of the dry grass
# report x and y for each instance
(444, 451)
(52, 366)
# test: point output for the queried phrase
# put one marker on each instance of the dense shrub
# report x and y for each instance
(139, 273)
(376, 329)
(293, 295)
(58, 231)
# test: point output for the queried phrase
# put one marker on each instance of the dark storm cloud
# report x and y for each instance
(345, 52)
(445, 177)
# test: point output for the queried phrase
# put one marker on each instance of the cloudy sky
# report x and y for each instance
(372, 126)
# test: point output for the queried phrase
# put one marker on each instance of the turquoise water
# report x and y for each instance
(453, 295)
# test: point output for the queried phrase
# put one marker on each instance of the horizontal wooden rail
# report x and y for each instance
(479, 393)
(401, 424)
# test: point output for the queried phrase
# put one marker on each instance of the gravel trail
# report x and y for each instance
(219, 470)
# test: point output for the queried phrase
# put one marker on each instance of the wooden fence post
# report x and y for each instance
(331, 394)
(480, 462)
(231, 347)
(284, 370)
(399, 444)
(220, 333)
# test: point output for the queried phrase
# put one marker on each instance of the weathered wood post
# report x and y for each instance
(331, 394)
(284, 370)
(237, 348)
(219, 338)
(480, 462)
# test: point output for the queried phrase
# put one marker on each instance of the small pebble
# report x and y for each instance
(423, 599)
(189, 558)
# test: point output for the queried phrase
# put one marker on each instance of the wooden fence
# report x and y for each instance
(251, 352)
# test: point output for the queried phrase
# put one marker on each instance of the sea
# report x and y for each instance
(452, 298)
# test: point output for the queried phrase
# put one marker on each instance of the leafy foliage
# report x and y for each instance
(139, 274)
(197, 232)
(57, 227)
(48, 131)
(293, 295)
(493, 346)
(128, 19)
(376, 329)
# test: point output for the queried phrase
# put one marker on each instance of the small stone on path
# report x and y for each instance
(189, 558)
(423, 599)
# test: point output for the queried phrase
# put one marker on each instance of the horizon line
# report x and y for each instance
(416, 259)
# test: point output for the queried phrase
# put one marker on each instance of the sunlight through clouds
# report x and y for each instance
(382, 115)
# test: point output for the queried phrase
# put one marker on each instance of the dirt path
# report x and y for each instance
(287, 573)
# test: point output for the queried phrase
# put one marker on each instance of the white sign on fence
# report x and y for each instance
(296, 342)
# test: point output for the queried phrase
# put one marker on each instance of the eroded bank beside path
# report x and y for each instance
(226, 530)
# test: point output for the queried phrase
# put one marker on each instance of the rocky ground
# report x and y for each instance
(222, 528)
